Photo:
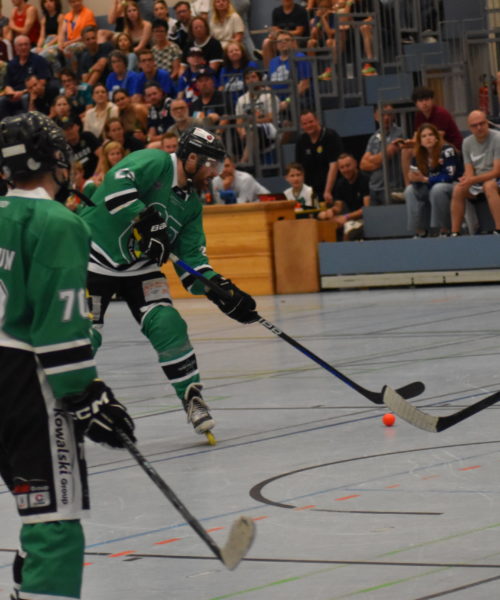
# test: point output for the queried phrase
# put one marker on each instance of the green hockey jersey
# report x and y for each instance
(145, 178)
(44, 251)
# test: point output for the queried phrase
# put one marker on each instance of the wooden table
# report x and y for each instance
(240, 244)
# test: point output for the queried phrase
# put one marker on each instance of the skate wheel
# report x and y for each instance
(210, 438)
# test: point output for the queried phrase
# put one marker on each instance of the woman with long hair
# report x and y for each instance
(236, 60)
(103, 110)
(111, 154)
(123, 42)
(51, 21)
(138, 28)
(434, 169)
(133, 115)
(226, 24)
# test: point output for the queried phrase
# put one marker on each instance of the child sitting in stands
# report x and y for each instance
(303, 194)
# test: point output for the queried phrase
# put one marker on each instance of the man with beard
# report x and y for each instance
(151, 196)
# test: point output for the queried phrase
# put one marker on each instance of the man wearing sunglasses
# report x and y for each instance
(147, 207)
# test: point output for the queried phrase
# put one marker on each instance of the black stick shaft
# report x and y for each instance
(169, 493)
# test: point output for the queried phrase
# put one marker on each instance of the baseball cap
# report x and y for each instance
(206, 72)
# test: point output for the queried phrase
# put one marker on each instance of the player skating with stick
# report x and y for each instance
(154, 194)
(50, 395)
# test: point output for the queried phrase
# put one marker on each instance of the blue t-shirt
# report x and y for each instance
(128, 83)
(162, 77)
(280, 70)
(232, 81)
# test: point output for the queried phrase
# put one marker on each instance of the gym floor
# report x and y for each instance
(345, 507)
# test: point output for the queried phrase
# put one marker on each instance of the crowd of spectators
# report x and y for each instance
(152, 72)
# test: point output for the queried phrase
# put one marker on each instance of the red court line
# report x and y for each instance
(348, 497)
(87, 564)
(305, 507)
(259, 518)
(167, 541)
(389, 487)
(214, 529)
(122, 553)
(470, 468)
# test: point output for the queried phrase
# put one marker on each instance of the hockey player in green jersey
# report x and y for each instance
(51, 396)
(154, 193)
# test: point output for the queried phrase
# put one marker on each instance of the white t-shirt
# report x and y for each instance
(244, 186)
(305, 197)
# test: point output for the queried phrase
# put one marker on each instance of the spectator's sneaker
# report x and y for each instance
(398, 196)
(326, 75)
(368, 70)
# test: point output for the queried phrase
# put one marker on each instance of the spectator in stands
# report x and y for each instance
(299, 191)
(138, 28)
(40, 95)
(351, 195)
(200, 37)
(236, 60)
(25, 63)
(236, 187)
(366, 31)
(209, 107)
(429, 112)
(481, 155)
(318, 149)
(93, 66)
(160, 12)
(69, 38)
(85, 145)
(150, 72)
(61, 109)
(179, 110)
(280, 69)
(123, 42)
(242, 7)
(120, 77)
(390, 135)
(256, 112)
(179, 33)
(186, 84)
(78, 93)
(102, 111)
(167, 54)
(133, 115)
(226, 24)
(159, 118)
(169, 142)
(116, 16)
(290, 17)
(111, 154)
(113, 130)
(433, 171)
(50, 23)
(24, 21)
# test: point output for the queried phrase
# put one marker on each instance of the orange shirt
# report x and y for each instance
(75, 23)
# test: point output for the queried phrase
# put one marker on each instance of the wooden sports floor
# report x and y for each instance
(345, 507)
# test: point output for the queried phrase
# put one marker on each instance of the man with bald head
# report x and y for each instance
(481, 152)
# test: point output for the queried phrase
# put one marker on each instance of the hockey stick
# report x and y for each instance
(242, 531)
(427, 422)
(408, 391)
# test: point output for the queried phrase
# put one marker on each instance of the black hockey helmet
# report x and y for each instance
(203, 143)
(31, 143)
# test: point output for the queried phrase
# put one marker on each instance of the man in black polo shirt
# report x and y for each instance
(209, 106)
(351, 194)
(84, 144)
(317, 150)
(24, 64)
(93, 66)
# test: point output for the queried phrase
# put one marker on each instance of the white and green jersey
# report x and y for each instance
(44, 251)
(144, 178)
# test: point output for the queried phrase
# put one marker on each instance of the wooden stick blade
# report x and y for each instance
(408, 412)
(240, 539)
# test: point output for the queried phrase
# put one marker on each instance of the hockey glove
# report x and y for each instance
(240, 306)
(151, 232)
(99, 414)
